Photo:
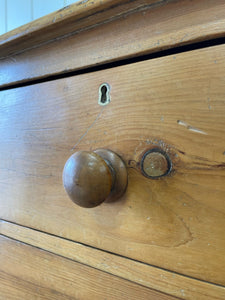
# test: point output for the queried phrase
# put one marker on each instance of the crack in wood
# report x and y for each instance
(86, 132)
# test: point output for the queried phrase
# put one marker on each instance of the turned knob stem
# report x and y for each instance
(91, 178)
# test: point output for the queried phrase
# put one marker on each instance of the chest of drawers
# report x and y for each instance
(163, 63)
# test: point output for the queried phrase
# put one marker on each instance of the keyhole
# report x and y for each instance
(104, 98)
(103, 91)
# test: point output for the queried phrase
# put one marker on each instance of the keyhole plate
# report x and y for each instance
(104, 94)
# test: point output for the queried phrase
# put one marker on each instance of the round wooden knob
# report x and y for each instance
(90, 178)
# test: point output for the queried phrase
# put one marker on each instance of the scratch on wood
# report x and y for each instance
(65, 7)
(209, 106)
(184, 37)
(191, 128)
(13, 59)
(82, 2)
(86, 132)
(196, 130)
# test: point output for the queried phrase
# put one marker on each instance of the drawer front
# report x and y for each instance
(29, 273)
(176, 103)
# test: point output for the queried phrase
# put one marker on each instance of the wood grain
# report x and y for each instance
(29, 273)
(176, 103)
(74, 17)
(146, 275)
(99, 33)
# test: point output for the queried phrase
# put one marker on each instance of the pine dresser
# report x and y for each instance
(118, 106)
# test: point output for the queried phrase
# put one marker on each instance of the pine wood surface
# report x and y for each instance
(155, 278)
(72, 18)
(176, 103)
(30, 273)
(96, 32)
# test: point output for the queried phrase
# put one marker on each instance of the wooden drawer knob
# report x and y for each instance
(90, 178)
